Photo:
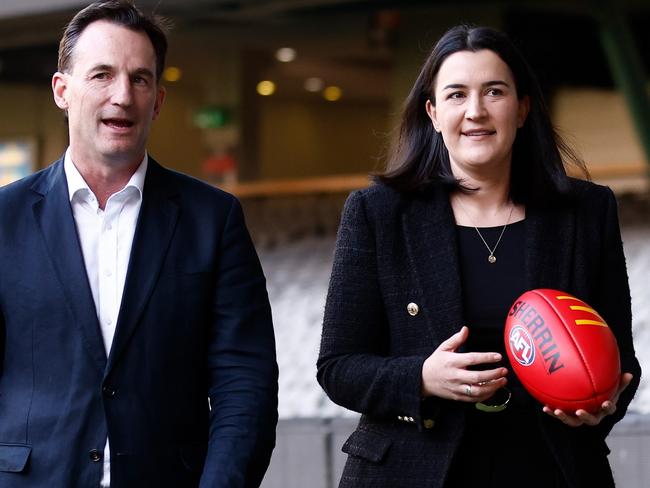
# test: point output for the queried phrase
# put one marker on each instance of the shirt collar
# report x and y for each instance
(77, 183)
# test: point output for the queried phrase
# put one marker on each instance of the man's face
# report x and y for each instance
(110, 94)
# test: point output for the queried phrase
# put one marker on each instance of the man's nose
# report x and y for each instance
(122, 91)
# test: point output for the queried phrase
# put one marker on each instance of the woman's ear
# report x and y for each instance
(524, 108)
(431, 112)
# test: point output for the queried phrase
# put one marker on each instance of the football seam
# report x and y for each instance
(573, 339)
(564, 400)
(567, 400)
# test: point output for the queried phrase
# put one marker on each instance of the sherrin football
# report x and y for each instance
(562, 350)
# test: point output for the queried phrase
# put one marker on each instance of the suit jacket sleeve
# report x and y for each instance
(354, 366)
(614, 304)
(242, 366)
(2, 340)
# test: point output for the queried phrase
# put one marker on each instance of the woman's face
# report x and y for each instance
(477, 112)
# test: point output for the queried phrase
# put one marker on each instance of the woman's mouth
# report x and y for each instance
(478, 132)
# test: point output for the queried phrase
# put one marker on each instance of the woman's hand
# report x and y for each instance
(445, 373)
(582, 417)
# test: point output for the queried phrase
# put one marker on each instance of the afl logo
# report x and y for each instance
(522, 346)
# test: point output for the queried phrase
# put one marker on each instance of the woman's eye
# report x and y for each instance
(456, 95)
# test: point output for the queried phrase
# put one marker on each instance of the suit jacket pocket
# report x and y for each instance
(367, 445)
(14, 457)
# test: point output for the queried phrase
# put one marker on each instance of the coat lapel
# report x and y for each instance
(550, 236)
(428, 226)
(155, 228)
(55, 220)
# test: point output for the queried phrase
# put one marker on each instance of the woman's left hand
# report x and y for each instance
(582, 417)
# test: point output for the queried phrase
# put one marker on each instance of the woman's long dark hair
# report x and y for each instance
(420, 157)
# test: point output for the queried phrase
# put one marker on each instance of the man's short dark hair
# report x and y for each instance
(120, 12)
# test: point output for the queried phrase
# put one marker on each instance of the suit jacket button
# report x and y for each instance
(413, 309)
(108, 391)
(428, 423)
(95, 455)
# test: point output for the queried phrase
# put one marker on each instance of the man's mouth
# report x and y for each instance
(118, 123)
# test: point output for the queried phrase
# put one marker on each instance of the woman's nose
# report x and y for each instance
(475, 107)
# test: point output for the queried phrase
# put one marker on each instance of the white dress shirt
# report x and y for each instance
(106, 237)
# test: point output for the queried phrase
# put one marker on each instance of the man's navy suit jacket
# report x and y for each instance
(194, 324)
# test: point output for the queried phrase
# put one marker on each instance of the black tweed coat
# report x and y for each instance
(394, 249)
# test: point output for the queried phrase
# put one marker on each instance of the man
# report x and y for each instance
(130, 295)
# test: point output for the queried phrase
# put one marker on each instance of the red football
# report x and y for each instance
(562, 350)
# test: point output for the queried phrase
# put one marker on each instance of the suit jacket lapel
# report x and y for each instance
(428, 226)
(155, 228)
(56, 223)
(550, 236)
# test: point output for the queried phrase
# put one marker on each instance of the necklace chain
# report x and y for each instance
(491, 257)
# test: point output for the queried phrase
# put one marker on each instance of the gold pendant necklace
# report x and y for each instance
(491, 257)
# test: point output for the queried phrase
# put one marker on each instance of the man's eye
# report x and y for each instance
(100, 76)
(495, 92)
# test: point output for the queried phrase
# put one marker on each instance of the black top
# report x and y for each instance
(489, 289)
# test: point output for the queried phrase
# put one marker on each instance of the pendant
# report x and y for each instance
(492, 259)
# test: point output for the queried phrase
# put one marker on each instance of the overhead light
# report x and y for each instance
(332, 93)
(285, 54)
(314, 84)
(172, 74)
(266, 88)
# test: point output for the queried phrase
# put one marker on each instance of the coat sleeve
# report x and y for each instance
(354, 366)
(614, 304)
(242, 367)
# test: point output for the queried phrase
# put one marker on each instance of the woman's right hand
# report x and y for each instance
(445, 373)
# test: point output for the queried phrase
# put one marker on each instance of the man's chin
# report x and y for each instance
(122, 156)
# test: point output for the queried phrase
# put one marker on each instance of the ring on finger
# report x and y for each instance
(468, 390)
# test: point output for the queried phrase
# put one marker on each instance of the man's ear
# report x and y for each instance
(59, 88)
(160, 98)
(431, 112)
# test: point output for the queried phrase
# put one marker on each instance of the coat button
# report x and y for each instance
(95, 455)
(428, 423)
(413, 309)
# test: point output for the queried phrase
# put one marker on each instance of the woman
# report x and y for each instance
(475, 209)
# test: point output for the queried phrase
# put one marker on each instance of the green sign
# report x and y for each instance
(212, 117)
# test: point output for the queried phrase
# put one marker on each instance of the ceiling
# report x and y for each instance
(341, 37)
